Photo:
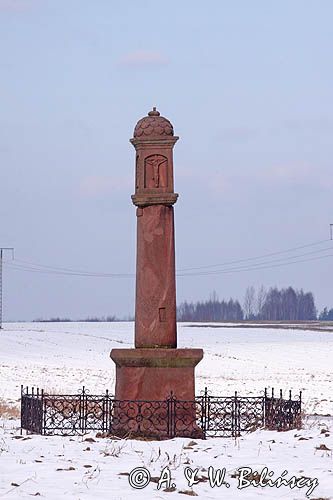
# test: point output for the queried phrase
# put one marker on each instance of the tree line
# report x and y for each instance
(210, 310)
(90, 319)
(259, 304)
(326, 315)
(273, 305)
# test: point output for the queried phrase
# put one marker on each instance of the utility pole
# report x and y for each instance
(2, 249)
(331, 231)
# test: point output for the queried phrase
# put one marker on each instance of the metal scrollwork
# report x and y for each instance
(206, 416)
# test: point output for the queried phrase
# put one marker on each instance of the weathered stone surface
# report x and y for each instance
(155, 312)
(153, 125)
(153, 374)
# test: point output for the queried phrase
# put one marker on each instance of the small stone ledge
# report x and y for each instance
(143, 200)
(157, 357)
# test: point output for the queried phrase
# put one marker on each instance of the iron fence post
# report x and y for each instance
(81, 410)
(236, 416)
(171, 415)
(43, 413)
(205, 412)
(39, 414)
(21, 430)
(105, 410)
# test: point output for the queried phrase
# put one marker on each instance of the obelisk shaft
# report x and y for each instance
(155, 310)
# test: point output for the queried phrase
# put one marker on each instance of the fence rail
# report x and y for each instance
(205, 416)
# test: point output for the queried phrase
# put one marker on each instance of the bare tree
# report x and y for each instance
(249, 302)
(261, 297)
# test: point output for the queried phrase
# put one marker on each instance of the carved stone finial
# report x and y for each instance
(154, 112)
(153, 126)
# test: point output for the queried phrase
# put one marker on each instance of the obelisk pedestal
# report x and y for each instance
(155, 369)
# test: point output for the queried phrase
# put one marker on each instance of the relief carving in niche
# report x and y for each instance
(156, 171)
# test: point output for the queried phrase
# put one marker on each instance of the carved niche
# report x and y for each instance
(137, 173)
(156, 172)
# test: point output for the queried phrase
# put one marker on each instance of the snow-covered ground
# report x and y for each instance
(63, 357)
(86, 468)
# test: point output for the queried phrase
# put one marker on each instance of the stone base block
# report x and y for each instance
(145, 381)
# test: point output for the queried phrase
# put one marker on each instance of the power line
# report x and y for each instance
(28, 265)
(33, 265)
(66, 273)
(272, 254)
(255, 266)
(288, 260)
(2, 250)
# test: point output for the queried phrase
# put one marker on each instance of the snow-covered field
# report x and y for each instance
(63, 357)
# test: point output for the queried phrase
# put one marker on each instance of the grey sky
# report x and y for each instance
(248, 88)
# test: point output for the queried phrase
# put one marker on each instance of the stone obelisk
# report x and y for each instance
(155, 368)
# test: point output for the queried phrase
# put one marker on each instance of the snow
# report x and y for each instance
(75, 468)
(61, 357)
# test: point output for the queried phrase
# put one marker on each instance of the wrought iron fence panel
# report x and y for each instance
(249, 413)
(281, 414)
(32, 414)
(95, 413)
(63, 414)
(186, 419)
(220, 416)
(135, 418)
(206, 416)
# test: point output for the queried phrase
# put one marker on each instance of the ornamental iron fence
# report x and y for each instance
(205, 416)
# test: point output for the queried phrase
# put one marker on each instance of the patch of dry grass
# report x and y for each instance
(8, 411)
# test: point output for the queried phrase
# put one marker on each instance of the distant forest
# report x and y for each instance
(261, 304)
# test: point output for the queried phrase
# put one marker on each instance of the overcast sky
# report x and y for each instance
(248, 87)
